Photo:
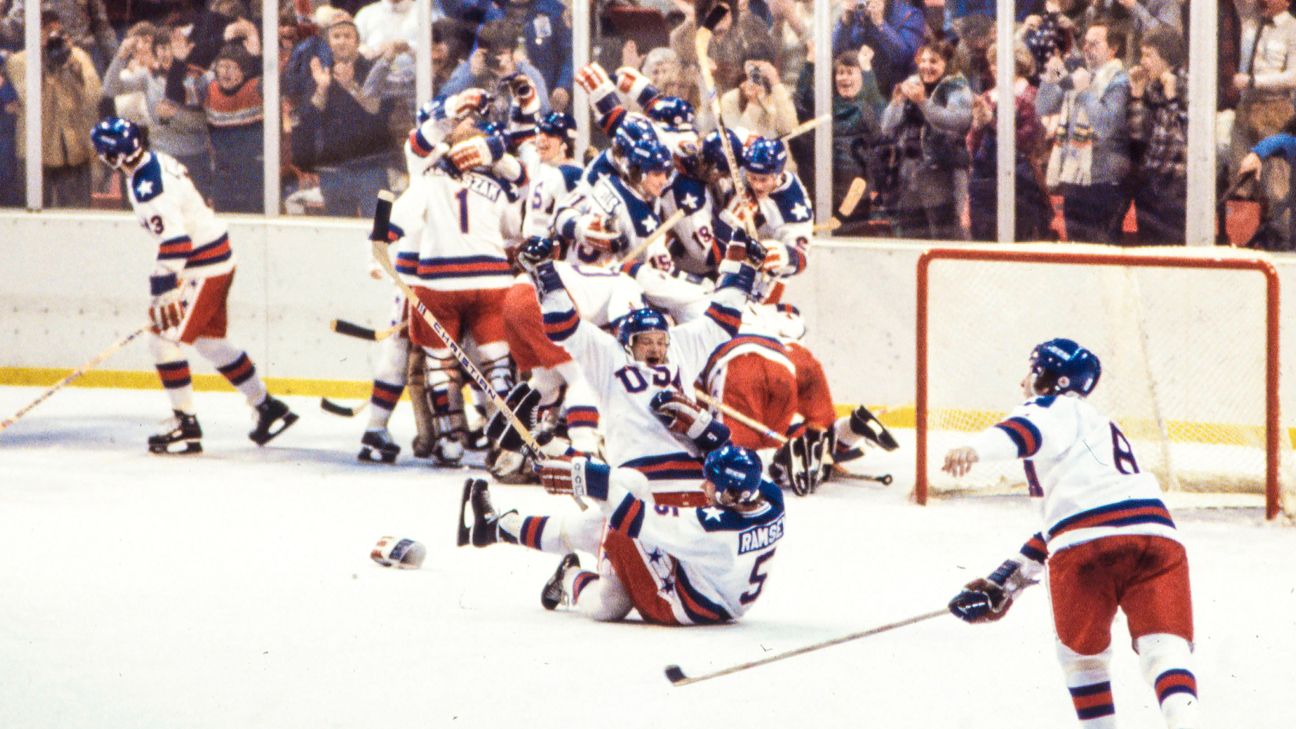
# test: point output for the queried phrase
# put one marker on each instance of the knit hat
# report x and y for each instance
(235, 51)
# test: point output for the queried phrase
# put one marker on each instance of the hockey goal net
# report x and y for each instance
(1188, 344)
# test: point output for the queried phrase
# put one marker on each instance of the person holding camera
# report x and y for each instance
(490, 67)
(70, 91)
(892, 28)
(761, 103)
(85, 25)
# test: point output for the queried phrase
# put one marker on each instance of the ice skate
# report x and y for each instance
(447, 451)
(484, 530)
(273, 417)
(182, 437)
(376, 446)
(553, 593)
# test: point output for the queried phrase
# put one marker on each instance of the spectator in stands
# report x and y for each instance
(1276, 230)
(928, 117)
(387, 24)
(728, 45)
(892, 28)
(547, 42)
(180, 132)
(1158, 121)
(856, 131)
(1266, 80)
(85, 23)
(1136, 18)
(762, 103)
(491, 64)
(352, 146)
(212, 29)
(69, 96)
(1032, 210)
(230, 94)
(662, 67)
(10, 187)
(128, 73)
(1090, 158)
(1047, 34)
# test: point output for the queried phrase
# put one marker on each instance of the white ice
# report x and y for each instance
(235, 590)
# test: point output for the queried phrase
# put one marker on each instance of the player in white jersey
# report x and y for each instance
(1108, 541)
(189, 284)
(551, 170)
(472, 206)
(646, 358)
(675, 566)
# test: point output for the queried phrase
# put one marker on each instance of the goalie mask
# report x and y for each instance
(1060, 366)
(117, 141)
(735, 472)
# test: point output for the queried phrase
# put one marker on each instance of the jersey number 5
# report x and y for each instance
(757, 579)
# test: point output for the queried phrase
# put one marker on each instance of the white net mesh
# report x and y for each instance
(1191, 399)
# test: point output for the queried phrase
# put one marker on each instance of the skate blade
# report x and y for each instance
(369, 455)
(191, 448)
(287, 420)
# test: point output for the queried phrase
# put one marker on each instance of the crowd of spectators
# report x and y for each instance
(1099, 88)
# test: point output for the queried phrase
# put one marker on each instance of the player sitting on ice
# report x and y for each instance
(676, 566)
(190, 286)
(647, 358)
(1108, 540)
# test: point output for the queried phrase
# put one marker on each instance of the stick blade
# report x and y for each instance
(344, 327)
(329, 406)
(675, 675)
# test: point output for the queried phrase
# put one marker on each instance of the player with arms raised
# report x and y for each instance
(1109, 541)
(190, 286)
(676, 566)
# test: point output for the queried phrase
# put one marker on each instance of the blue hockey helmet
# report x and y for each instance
(639, 321)
(713, 150)
(492, 129)
(426, 110)
(117, 140)
(736, 473)
(558, 124)
(638, 144)
(1061, 365)
(765, 156)
(672, 112)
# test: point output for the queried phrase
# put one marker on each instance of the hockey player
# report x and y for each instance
(1109, 542)
(471, 207)
(189, 284)
(552, 171)
(675, 566)
(639, 375)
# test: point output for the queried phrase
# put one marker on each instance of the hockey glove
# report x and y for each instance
(776, 259)
(739, 214)
(599, 232)
(595, 81)
(987, 599)
(743, 248)
(468, 101)
(482, 151)
(522, 401)
(167, 308)
(524, 94)
(536, 257)
(689, 419)
(558, 475)
(632, 85)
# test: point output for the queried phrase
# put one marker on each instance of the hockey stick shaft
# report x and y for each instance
(94, 362)
(746, 420)
(849, 202)
(379, 246)
(652, 240)
(678, 678)
(804, 127)
(346, 328)
(701, 46)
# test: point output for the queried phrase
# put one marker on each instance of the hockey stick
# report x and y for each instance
(849, 202)
(885, 479)
(677, 677)
(652, 240)
(804, 127)
(378, 243)
(706, 80)
(341, 326)
(94, 362)
(346, 411)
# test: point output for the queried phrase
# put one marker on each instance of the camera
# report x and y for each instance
(57, 51)
(755, 76)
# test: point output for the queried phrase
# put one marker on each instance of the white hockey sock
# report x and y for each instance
(173, 371)
(391, 368)
(1089, 682)
(598, 597)
(234, 364)
(1166, 661)
(379, 414)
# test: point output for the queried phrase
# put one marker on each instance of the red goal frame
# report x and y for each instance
(1273, 426)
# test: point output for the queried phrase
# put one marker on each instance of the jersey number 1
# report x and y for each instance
(462, 197)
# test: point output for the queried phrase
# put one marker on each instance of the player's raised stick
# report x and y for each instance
(804, 127)
(706, 81)
(652, 240)
(94, 362)
(378, 242)
(849, 202)
(346, 328)
(677, 677)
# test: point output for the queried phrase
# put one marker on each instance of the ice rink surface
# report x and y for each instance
(234, 590)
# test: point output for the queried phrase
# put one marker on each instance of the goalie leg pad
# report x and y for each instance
(417, 378)
(443, 391)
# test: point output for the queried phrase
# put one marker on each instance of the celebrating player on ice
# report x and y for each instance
(1109, 541)
(676, 566)
(190, 286)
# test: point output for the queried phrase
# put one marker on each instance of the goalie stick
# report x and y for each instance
(341, 326)
(94, 362)
(885, 479)
(378, 244)
(677, 676)
(849, 202)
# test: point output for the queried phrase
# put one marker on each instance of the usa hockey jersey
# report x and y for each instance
(191, 242)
